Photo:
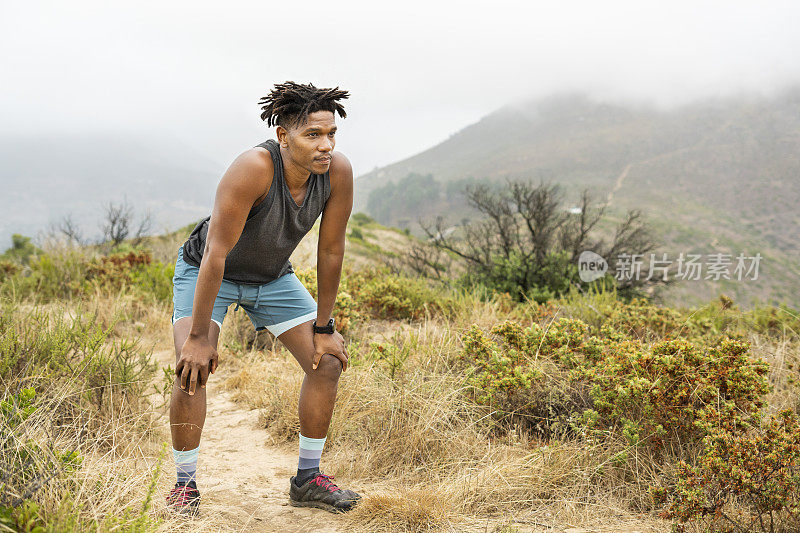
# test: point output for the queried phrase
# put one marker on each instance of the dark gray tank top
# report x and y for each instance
(272, 230)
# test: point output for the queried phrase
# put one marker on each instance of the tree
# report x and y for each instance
(421, 258)
(21, 249)
(118, 221)
(527, 244)
(70, 229)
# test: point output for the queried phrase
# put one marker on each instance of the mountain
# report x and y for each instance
(715, 176)
(45, 178)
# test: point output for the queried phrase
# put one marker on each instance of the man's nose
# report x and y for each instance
(326, 145)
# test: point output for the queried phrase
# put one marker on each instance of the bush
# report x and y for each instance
(22, 249)
(42, 352)
(134, 269)
(744, 481)
(8, 269)
(638, 318)
(356, 233)
(62, 382)
(378, 293)
(71, 273)
(721, 316)
(346, 310)
(48, 277)
(523, 373)
(394, 296)
(552, 278)
(361, 219)
(643, 320)
(672, 391)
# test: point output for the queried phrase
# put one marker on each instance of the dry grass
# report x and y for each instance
(783, 356)
(430, 458)
(87, 451)
(117, 465)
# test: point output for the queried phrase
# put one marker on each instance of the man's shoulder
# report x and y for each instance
(252, 169)
(340, 170)
(257, 158)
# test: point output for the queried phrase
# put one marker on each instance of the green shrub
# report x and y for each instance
(22, 249)
(721, 316)
(674, 390)
(775, 320)
(48, 277)
(671, 391)
(744, 481)
(135, 270)
(62, 380)
(382, 294)
(643, 320)
(346, 309)
(377, 293)
(638, 318)
(355, 233)
(48, 353)
(523, 373)
(72, 273)
(512, 273)
(8, 269)
(392, 355)
(361, 219)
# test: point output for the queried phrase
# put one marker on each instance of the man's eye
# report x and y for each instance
(332, 133)
(311, 134)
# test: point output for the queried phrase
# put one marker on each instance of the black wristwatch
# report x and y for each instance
(328, 328)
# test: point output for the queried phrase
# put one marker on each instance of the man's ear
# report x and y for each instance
(283, 135)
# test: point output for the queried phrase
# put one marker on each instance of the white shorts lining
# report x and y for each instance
(212, 320)
(281, 327)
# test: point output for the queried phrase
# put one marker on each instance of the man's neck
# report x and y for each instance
(296, 176)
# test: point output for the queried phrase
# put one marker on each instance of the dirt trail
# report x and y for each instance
(618, 183)
(243, 480)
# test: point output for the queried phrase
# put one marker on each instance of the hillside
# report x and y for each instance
(460, 410)
(44, 179)
(714, 176)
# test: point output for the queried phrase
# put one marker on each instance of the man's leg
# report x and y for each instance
(187, 414)
(318, 393)
(317, 396)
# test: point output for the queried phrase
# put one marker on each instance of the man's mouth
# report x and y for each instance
(326, 159)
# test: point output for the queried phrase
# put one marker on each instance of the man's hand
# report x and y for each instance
(332, 343)
(198, 357)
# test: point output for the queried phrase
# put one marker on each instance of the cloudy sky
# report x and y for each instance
(417, 70)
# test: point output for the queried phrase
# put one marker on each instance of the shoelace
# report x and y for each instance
(182, 496)
(325, 482)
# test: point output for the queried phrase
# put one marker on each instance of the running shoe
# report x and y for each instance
(184, 499)
(322, 493)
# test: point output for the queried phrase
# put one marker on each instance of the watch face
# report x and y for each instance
(327, 328)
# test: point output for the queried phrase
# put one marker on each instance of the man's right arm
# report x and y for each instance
(248, 177)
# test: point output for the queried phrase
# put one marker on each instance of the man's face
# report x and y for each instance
(310, 145)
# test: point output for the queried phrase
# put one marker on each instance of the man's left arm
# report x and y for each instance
(332, 228)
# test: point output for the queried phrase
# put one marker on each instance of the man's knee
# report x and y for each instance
(183, 397)
(329, 368)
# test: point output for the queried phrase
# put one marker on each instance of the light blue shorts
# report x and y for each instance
(276, 306)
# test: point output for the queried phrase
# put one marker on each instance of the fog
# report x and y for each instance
(417, 71)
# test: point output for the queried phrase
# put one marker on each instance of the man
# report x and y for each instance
(265, 203)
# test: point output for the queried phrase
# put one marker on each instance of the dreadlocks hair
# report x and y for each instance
(290, 103)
